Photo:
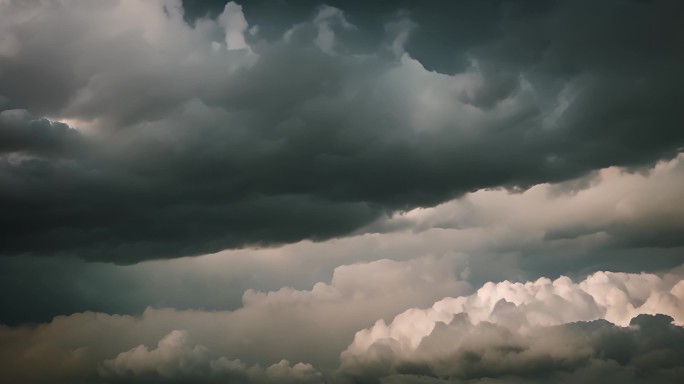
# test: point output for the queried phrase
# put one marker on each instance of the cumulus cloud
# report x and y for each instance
(649, 350)
(334, 166)
(175, 359)
(298, 325)
(309, 134)
(543, 330)
(614, 296)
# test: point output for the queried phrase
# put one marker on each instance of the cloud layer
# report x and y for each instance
(610, 220)
(190, 139)
(310, 326)
(344, 192)
(507, 331)
(515, 332)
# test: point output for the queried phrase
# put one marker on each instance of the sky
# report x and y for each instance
(341, 192)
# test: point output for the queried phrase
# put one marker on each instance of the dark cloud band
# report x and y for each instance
(206, 137)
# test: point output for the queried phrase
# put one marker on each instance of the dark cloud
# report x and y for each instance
(573, 228)
(353, 162)
(22, 134)
(191, 148)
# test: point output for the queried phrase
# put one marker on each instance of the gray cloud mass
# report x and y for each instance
(341, 192)
(193, 139)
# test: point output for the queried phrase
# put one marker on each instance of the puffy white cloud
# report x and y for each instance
(649, 350)
(516, 328)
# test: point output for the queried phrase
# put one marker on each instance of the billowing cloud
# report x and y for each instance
(341, 192)
(612, 219)
(513, 332)
(309, 326)
(504, 330)
(648, 350)
(196, 137)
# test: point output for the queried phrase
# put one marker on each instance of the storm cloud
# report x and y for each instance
(390, 192)
(190, 137)
(610, 220)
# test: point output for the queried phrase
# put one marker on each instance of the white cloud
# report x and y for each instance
(523, 307)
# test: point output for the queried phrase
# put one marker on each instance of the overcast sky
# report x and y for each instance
(341, 192)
